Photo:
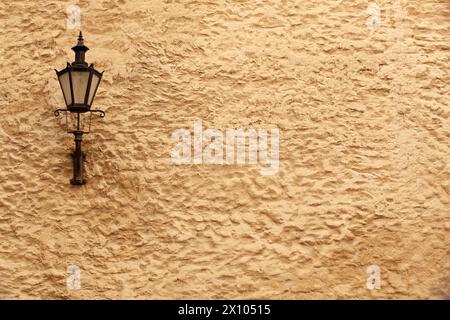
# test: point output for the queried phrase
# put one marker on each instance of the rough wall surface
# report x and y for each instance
(364, 176)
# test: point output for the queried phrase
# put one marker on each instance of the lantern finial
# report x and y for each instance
(80, 39)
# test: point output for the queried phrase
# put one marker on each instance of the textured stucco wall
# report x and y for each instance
(364, 150)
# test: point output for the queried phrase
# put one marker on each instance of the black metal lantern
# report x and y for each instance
(79, 83)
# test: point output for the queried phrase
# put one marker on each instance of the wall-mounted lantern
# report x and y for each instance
(79, 83)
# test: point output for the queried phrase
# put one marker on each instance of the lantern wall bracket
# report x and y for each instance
(58, 112)
(78, 155)
(101, 113)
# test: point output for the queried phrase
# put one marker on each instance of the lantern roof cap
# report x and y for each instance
(80, 52)
(80, 45)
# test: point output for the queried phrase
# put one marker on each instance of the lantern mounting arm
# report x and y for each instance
(58, 111)
(101, 113)
(78, 155)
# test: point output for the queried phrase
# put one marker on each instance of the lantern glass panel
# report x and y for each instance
(94, 85)
(65, 87)
(80, 81)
